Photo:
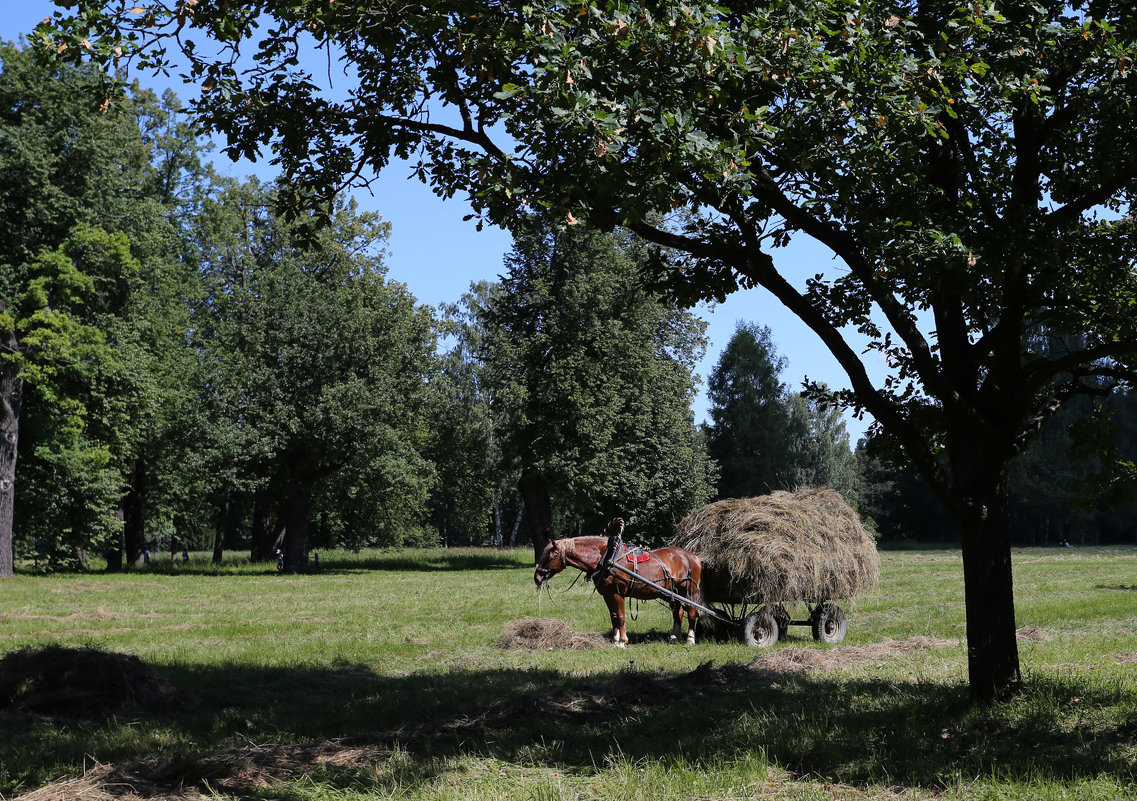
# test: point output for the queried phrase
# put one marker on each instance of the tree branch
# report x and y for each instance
(1036, 373)
(1095, 197)
(467, 133)
(759, 266)
(844, 246)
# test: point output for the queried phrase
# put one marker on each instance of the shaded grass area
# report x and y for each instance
(858, 732)
(386, 682)
(337, 561)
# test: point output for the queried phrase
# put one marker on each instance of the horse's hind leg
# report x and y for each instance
(692, 622)
(676, 621)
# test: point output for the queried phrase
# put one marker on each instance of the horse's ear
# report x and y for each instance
(548, 533)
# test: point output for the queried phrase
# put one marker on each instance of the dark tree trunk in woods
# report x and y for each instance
(223, 525)
(266, 538)
(11, 395)
(134, 516)
(114, 554)
(538, 511)
(295, 510)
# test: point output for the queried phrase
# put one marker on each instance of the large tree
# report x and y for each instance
(57, 352)
(763, 436)
(590, 376)
(751, 434)
(86, 258)
(822, 454)
(315, 372)
(970, 165)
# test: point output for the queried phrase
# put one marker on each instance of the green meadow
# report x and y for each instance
(381, 676)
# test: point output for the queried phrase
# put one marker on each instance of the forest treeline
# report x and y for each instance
(183, 367)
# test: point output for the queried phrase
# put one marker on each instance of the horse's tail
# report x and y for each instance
(697, 580)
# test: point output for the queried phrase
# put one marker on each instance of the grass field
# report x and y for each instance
(380, 677)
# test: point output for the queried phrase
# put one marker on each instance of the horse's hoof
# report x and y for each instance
(672, 640)
(620, 644)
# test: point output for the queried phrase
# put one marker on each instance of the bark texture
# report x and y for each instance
(11, 396)
(134, 515)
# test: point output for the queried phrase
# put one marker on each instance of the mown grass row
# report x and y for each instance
(393, 654)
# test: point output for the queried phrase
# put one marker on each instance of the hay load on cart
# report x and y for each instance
(764, 555)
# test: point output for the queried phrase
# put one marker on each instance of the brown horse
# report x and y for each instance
(672, 568)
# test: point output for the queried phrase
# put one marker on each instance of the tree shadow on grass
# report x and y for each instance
(246, 725)
(429, 561)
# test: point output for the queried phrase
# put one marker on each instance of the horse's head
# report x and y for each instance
(552, 561)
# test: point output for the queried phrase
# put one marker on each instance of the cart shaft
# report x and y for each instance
(672, 595)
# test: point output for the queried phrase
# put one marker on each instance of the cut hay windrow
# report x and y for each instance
(786, 547)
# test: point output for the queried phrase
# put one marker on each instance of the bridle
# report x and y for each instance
(546, 572)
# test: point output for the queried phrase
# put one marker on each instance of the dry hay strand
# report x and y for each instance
(88, 787)
(789, 660)
(544, 634)
(1033, 634)
(240, 771)
(60, 681)
(806, 545)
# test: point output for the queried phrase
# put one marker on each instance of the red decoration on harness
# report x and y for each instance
(637, 556)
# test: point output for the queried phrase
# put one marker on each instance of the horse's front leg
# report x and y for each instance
(692, 621)
(676, 624)
(615, 604)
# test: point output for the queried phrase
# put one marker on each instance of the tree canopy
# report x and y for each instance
(315, 372)
(589, 376)
(765, 437)
(750, 430)
(84, 276)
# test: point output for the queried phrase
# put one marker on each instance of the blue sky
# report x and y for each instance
(437, 254)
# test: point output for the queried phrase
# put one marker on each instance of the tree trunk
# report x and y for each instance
(538, 511)
(265, 538)
(992, 647)
(516, 524)
(223, 522)
(134, 516)
(295, 511)
(11, 395)
(497, 541)
(114, 554)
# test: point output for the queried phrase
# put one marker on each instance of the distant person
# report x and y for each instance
(185, 556)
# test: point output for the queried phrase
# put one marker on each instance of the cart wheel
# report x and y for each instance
(828, 623)
(783, 619)
(759, 629)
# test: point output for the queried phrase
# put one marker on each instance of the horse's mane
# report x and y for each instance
(589, 539)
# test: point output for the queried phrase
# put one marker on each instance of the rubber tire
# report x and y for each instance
(828, 624)
(759, 629)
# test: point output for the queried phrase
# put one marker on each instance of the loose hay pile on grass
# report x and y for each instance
(786, 547)
(543, 634)
(80, 683)
(790, 660)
